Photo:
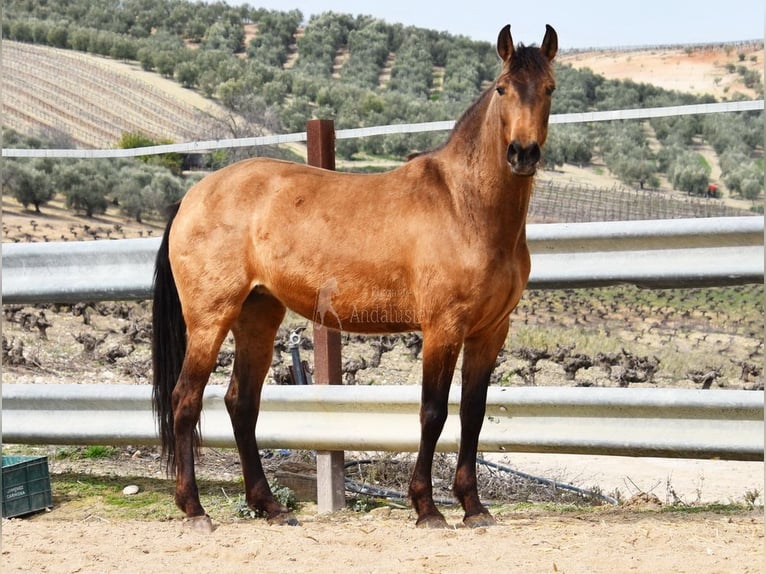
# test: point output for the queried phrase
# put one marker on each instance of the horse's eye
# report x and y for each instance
(500, 90)
(549, 90)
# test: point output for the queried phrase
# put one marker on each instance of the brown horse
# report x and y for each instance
(436, 245)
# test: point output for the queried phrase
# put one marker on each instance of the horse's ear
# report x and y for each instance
(550, 43)
(505, 43)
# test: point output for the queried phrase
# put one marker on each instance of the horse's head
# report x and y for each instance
(523, 98)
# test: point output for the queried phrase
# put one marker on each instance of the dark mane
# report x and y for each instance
(528, 59)
(468, 115)
(472, 111)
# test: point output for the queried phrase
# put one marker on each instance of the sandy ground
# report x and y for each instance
(672, 481)
(635, 537)
(607, 541)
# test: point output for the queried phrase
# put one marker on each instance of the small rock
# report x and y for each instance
(130, 490)
(643, 501)
(381, 512)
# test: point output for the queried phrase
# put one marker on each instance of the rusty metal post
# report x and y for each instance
(331, 492)
(320, 140)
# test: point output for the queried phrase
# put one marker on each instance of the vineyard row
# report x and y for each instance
(96, 105)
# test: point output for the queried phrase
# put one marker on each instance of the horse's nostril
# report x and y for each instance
(533, 153)
(524, 155)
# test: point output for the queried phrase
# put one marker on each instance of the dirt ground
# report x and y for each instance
(641, 535)
(387, 541)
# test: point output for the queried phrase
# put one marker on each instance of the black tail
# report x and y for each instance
(168, 344)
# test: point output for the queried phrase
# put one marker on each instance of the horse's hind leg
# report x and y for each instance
(201, 355)
(479, 356)
(254, 333)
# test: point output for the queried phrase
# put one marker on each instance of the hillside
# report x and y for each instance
(93, 99)
(700, 70)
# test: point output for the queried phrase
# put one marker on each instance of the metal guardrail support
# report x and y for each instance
(677, 423)
(661, 253)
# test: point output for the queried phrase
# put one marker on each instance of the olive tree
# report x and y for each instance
(28, 183)
(86, 184)
(146, 189)
(690, 172)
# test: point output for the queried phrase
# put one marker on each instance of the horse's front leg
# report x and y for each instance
(440, 354)
(479, 356)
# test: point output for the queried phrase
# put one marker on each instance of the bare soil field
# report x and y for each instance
(57, 223)
(696, 70)
(98, 98)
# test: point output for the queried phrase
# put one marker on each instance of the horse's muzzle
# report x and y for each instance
(523, 159)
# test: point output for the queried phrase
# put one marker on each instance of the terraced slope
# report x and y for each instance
(93, 99)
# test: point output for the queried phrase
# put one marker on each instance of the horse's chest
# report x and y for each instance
(502, 285)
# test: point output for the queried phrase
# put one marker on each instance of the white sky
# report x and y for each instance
(579, 23)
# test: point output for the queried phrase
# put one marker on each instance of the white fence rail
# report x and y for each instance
(211, 145)
(677, 423)
(659, 253)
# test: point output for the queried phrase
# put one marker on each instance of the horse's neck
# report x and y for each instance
(482, 186)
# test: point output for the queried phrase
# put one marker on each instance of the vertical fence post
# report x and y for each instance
(331, 492)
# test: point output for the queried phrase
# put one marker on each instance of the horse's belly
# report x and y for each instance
(339, 302)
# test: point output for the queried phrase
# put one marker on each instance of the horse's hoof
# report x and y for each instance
(283, 519)
(434, 521)
(200, 524)
(479, 520)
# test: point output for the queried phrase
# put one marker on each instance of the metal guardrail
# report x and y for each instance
(678, 423)
(75, 271)
(635, 422)
(658, 253)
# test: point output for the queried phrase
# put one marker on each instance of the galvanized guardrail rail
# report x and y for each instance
(679, 423)
(659, 253)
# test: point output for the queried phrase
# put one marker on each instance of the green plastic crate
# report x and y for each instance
(26, 485)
